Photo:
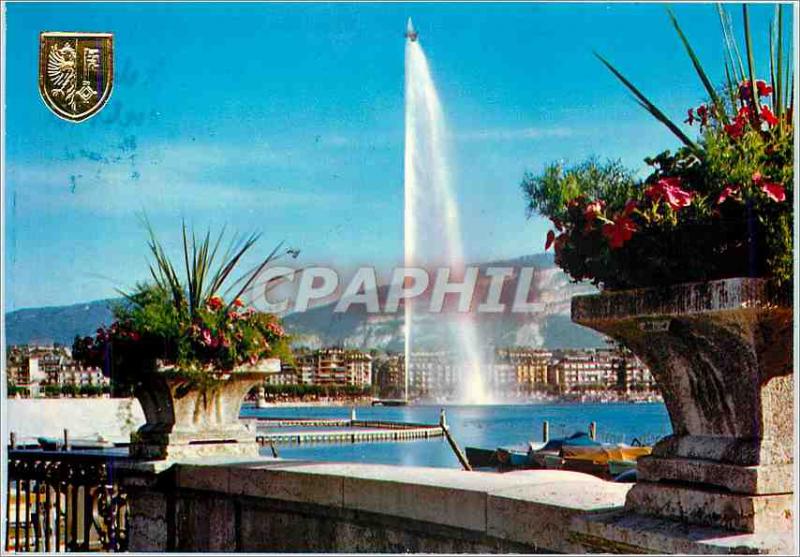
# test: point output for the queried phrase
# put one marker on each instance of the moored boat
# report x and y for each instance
(482, 458)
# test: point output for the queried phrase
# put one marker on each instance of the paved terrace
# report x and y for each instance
(276, 505)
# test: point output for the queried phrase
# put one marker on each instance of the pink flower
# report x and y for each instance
(276, 329)
(728, 191)
(208, 340)
(669, 190)
(773, 190)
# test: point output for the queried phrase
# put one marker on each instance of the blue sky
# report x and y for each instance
(288, 119)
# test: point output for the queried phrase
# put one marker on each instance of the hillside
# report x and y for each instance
(322, 326)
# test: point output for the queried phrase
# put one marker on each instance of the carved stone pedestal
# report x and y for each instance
(721, 353)
(187, 419)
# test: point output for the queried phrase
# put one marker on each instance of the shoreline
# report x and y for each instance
(419, 403)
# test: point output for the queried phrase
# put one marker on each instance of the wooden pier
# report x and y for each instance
(352, 431)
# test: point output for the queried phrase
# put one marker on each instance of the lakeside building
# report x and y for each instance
(528, 367)
(432, 373)
(579, 370)
(330, 366)
(389, 375)
(519, 372)
(514, 371)
(602, 369)
(33, 367)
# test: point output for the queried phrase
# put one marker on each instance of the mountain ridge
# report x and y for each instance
(321, 326)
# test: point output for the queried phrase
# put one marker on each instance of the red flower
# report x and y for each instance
(702, 113)
(763, 88)
(773, 190)
(619, 232)
(690, 120)
(551, 236)
(557, 224)
(238, 302)
(215, 302)
(768, 116)
(630, 206)
(669, 190)
(735, 130)
(728, 191)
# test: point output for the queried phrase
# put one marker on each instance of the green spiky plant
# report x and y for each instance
(185, 321)
(720, 206)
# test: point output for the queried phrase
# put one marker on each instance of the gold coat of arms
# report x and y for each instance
(76, 72)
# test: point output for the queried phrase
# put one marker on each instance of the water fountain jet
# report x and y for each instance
(432, 229)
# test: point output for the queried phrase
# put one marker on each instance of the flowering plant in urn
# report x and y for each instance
(189, 348)
(718, 207)
(695, 262)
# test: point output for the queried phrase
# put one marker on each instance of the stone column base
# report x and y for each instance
(733, 511)
(749, 480)
(187, 446)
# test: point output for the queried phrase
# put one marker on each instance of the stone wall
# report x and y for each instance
(285, 506)
(295, 506)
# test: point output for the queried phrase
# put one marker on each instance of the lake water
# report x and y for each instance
(477, 426)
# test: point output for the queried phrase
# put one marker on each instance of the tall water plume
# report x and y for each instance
(432, 229)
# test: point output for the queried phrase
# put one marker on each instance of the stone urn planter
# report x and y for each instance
(721, 353)
(185, 418)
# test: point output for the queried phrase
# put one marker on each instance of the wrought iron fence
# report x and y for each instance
(64, 501)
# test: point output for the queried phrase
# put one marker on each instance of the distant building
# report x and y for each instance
(585, 370)
(334, 366)
(32, 367)
(634, 375)
(523, 368)
(80, 377)
(388, 375)
(433, 373)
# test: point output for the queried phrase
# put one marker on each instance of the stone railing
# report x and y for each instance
(299, 506)
(273, 505)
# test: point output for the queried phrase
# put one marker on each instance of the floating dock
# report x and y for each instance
(346, 431)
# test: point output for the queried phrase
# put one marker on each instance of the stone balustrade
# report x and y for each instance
(275, 505)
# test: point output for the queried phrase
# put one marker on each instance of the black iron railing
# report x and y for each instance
(65, 501)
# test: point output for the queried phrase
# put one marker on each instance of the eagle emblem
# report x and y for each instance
(75, 73)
